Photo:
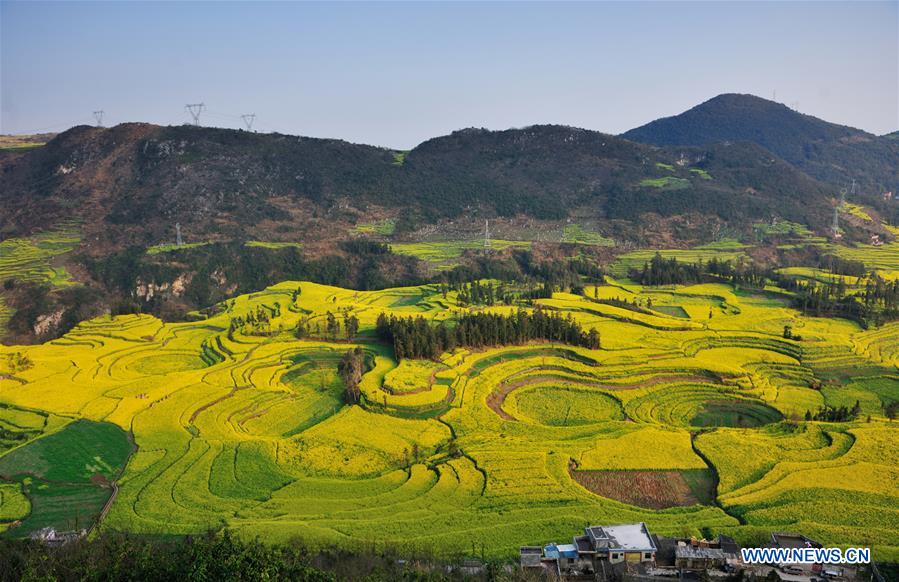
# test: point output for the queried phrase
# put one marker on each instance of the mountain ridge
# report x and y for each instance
(830, 152)
(131, 182)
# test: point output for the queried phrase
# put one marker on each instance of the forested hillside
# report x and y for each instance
(829, 152)
(130, 183)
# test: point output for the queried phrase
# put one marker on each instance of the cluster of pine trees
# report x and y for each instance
(838, 414)
(876, 304)
(544, 291)
(306, 327)
(257, 322)
(633, 305)
(475, 293)
(414, 337)
(662, 271)
(351, 368)
(840, 266)
(881, 297)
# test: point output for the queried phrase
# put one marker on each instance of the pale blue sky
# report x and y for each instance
(395, 74)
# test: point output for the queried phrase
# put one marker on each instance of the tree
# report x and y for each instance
(351, 368)
(350, 326)
(788, 331)
(332, 326)
(593, 339)
(414, 337)
(301, 331)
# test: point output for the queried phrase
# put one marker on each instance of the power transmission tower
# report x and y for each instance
(178, 239)
(195, 109)
(248, 119)
(486, 234)
(836, 213)
(98, 115)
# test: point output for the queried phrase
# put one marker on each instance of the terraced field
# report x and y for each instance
(493, 448)
(445, 255)
(29, 259)
(884, 257)
(726, 250)
(575, 233)
(35, 260)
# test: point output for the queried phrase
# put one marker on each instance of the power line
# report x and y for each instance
(98, 115)
(249, 119)
(66, 124)
(195, 109)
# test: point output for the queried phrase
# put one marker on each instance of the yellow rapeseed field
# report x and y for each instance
(249, 429)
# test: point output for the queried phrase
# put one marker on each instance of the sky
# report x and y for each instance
(396, 74)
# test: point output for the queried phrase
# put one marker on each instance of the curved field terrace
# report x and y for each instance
(691, 424)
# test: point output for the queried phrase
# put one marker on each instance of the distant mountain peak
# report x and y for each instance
(741, 117)
(827, 151)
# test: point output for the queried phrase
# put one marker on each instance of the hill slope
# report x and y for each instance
(827, 151)
(131, 183)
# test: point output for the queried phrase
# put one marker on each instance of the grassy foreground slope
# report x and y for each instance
(486, 448)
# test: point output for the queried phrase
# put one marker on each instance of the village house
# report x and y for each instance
(600, 545)
(693, 554)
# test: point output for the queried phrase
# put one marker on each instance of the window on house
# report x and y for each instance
(647, 556)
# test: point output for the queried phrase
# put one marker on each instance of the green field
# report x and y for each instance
(384, 227)
(575, 233)
(273, 245)
(14, 143)
(666, 183)
(498, 447)
(169, 247)
(446, 254)
(65, 477)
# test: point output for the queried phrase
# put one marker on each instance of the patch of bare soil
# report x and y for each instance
(650, 489)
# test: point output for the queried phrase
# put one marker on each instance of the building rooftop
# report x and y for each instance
(728, 545)
(531, 555)
(684, 551)
(791, 540)
(567, 550)
(627, 536)
(583, 544)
